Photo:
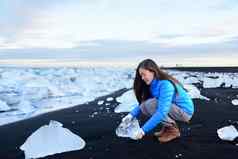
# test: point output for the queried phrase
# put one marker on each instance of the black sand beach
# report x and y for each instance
(199, 139)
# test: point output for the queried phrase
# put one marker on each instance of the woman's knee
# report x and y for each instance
(148, 107)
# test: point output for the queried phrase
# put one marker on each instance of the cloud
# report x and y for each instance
(129, 26)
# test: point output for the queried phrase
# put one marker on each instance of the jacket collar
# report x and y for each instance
(154, 83)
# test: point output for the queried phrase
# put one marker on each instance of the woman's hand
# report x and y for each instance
(139, 134)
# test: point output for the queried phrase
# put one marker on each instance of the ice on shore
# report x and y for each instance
(32, 91)
(4, 106)
(228, 133)
(51, 139)
(213, 80)
(25, 106)
(42, 90)
(100, 102)
(110, 99)
(127, 102)
(234, 101)
(194, 92)
(128, 129)
(212, 83)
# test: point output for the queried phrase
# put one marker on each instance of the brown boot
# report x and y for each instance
(171, 133)
(161, 132)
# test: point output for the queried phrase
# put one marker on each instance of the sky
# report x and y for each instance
(169, 31)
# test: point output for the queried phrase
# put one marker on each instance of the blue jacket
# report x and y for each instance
(164, 92)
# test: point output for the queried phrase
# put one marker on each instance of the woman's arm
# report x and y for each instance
(136, 111)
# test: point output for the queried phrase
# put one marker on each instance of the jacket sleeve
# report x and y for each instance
(136, 111)
(164, 98)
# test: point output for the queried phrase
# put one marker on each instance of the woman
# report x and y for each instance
(163, 98)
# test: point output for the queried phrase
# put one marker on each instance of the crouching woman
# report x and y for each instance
(163, 99)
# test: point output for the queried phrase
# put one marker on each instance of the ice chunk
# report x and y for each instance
(228, 133)
(212, 83)
(128, 129)
(51, 139)
(194, 92)
(100, 102)
(127, 102)
(110, 99)
(10, 98)
(124, 108)
(35, 93)
(4, 106)
(25, 106)
(234, 101)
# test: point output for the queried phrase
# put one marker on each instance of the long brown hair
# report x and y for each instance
(141, 89)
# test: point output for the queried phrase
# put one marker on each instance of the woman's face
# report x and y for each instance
(146, 75)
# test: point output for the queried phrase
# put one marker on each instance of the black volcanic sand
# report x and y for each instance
(199, 139)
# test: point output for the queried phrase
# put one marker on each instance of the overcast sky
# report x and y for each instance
(119, 29)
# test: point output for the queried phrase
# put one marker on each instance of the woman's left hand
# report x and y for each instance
(139, 134)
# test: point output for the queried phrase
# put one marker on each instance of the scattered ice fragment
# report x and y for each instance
(128, 129)
(228, 133)
(100, 102)
(110, 99)
(179, 155)
(51, 139)
(91, 116)
(234, 101)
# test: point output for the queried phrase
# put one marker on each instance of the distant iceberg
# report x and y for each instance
(51, 139)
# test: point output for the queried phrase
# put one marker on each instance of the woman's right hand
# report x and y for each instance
(127, 118)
